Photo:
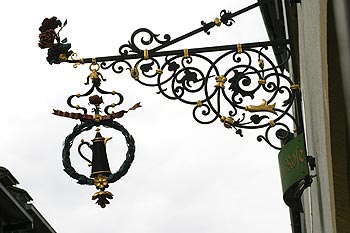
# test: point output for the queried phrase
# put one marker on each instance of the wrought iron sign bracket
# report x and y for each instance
(239, 85)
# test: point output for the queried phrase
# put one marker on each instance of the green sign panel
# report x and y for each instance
(293, 163)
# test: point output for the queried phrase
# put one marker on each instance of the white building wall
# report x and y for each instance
(318, 201)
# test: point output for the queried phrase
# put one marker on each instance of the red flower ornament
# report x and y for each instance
(47, 39)
(51, 23)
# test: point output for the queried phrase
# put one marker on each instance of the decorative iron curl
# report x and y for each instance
(116, 66)
(78, 129)
(205, 111)
(96, 83)
(278, 134)
(226, 17)
(145, 40)
(185, 78)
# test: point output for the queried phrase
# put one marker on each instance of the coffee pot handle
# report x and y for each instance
(81, 154)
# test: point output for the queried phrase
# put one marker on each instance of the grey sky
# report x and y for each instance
(186, 177)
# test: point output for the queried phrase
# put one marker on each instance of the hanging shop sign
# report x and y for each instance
(294, 171)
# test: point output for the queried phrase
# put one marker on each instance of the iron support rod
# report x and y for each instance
(180, 51)
(210, 25)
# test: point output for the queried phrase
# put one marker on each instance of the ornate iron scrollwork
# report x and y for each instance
(239, 85)
(242, 84)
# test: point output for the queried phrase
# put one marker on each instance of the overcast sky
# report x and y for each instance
(186, 177)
